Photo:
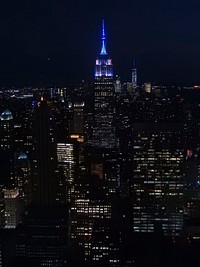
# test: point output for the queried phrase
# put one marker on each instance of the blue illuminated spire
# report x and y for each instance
(103, 38)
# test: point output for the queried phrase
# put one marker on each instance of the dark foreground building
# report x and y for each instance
(42, 238)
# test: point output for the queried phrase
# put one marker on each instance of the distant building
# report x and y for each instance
(6, 129)
(22, 175)
(118, 85)
(147, 87)
(134, 75)
(77, 122)
(132, 86)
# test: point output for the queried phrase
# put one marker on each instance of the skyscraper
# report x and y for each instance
(104, 130)
(6, 147)
(12, 208)
(22, 177)
(77, 122)
(134, 75)
(66, 164)
(42, 237)
(44, 163)
(158, 177)
(6, 119)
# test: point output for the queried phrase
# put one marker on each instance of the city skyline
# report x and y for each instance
(104, 171)
(49, 42)
(100, 175)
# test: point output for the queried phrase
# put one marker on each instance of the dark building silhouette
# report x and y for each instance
(44, 162)
(42, 239)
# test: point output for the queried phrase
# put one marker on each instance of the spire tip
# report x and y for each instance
(103, 48)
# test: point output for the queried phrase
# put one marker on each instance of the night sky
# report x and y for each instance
(49, 41)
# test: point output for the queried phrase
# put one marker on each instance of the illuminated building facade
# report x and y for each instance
(96, 186)
(89, 205)
(104, 130)
(66, 164)
(12, 208)
(7, 127)
(147, 87)
(77, 122)
(22, 174)
(132, 86)
(157, 184)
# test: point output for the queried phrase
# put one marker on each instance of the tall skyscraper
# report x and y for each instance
(12, 208)
(22, 177)
(42, 237)
(94, 216)
(134, 75)
(44, 163)
(7, 126)
(104, 130)
(6, 147)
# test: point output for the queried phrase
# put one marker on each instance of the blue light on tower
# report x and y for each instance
(104, 67)
(103, 48)
(103, 134)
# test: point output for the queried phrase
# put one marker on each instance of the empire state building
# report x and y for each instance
(104, 130)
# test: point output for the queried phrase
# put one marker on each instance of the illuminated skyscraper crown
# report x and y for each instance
(104, 67)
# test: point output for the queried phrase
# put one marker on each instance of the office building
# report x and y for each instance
(42, 238)
(77, 122)
(12, 208)
(158, 178)
(89, 204)
(66, 165)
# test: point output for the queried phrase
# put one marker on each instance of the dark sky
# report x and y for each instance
(58, 40)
